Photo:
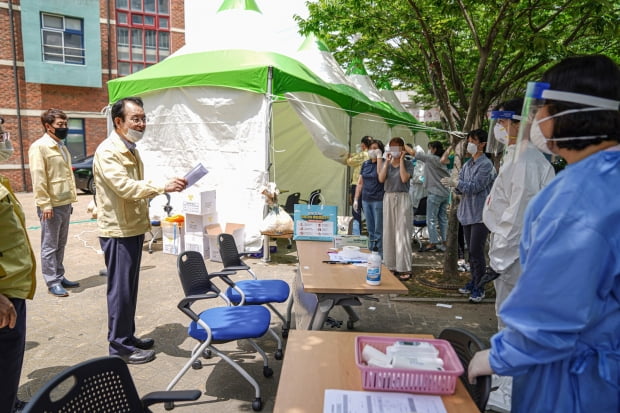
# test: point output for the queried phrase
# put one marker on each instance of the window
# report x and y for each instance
(143, 33)
(62, 39)
(76, 138)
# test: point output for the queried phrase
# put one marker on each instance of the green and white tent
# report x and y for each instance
(251, 115)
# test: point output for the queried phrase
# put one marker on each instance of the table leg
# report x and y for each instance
(321, 311)
(266, 251)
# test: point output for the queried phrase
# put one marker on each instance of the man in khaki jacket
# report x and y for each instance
(123, 219)
(17, 283)
(53, 185)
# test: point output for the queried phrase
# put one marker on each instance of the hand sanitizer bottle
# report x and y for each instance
(373, 268)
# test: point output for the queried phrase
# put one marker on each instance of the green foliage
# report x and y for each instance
(464, 55)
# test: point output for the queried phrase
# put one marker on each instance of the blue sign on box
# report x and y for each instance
(315, 222)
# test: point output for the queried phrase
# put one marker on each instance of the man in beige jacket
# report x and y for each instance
(53, 185)
(123, 219)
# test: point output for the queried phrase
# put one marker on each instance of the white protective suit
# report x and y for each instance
(417, 190)
(516, 184)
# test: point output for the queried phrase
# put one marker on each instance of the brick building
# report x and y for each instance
(61, 53)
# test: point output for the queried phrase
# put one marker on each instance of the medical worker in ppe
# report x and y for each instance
(560, 341)
(518, 180)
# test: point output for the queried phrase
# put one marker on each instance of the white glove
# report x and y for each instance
(356, 206)
(449, 182)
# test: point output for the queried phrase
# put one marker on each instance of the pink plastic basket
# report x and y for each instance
(409, 380)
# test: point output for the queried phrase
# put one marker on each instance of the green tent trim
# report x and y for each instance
(249, 70)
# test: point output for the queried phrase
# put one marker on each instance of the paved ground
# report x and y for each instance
(66, 331)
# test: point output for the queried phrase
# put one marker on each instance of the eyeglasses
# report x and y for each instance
(137, 121)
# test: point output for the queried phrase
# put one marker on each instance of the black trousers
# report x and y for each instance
(12, 346)
(476, 237)
(122, 259)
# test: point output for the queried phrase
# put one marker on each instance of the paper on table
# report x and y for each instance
(348, 401)
(195, 174)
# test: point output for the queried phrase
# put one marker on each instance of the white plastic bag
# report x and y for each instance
(277, 222)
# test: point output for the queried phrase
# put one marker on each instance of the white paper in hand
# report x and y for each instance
(195, 174)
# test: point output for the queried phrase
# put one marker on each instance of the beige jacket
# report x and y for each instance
(53, 183)
(17, 262)
(122, 193)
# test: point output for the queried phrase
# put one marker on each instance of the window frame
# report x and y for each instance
(130, 64)
(67, 59)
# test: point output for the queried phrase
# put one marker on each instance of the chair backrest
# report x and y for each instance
(421, 209)
(291, 200)
(315, 197)
(228, 251)
(466, 344)
(193, 273)
(99, 385)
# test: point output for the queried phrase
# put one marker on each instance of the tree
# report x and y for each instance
(463, 56)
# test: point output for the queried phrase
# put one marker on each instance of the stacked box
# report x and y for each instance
(199, 203)
(172, 237)
(350, 240)
(236, 230)
(200, 212)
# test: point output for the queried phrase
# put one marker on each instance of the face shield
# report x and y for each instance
(536, 96)
(499, 133)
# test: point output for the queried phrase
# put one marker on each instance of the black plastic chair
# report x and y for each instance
(291, 200)
(99, 385)
(466, 344)
(257, 292)
(419, 222)
(218, 324)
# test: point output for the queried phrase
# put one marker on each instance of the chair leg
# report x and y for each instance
(239, 369)
(197, 352)
(278, 354)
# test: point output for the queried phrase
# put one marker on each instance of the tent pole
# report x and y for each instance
(269, 138)
(347, 183)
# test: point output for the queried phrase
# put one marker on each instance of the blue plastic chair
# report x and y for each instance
(219, 324)
(257, 292)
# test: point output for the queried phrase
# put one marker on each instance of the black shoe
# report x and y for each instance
(19, 406)
(143, 344)
(488, 276)
(58, 291)
(69, 284)
(139, 357)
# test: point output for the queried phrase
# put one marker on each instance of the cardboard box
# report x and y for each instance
(198, 243)
(196, 224)
(236, 230)
(352, 240)
(198, 203)
(172, 237)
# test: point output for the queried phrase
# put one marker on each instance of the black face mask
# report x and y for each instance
(61, 133)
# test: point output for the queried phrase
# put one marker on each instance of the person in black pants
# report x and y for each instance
(123, 219)
(474, 184)
(17, 283)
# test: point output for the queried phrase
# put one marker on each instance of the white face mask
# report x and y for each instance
(538, 139)
(374, 153)
(472, 148)
(395, 151)
(133, 135)
(501, 134)
(6, 147)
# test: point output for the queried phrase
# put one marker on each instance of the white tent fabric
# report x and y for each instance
(247, 139)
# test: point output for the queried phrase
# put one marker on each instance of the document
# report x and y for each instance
(195, 174)
(349, 401)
